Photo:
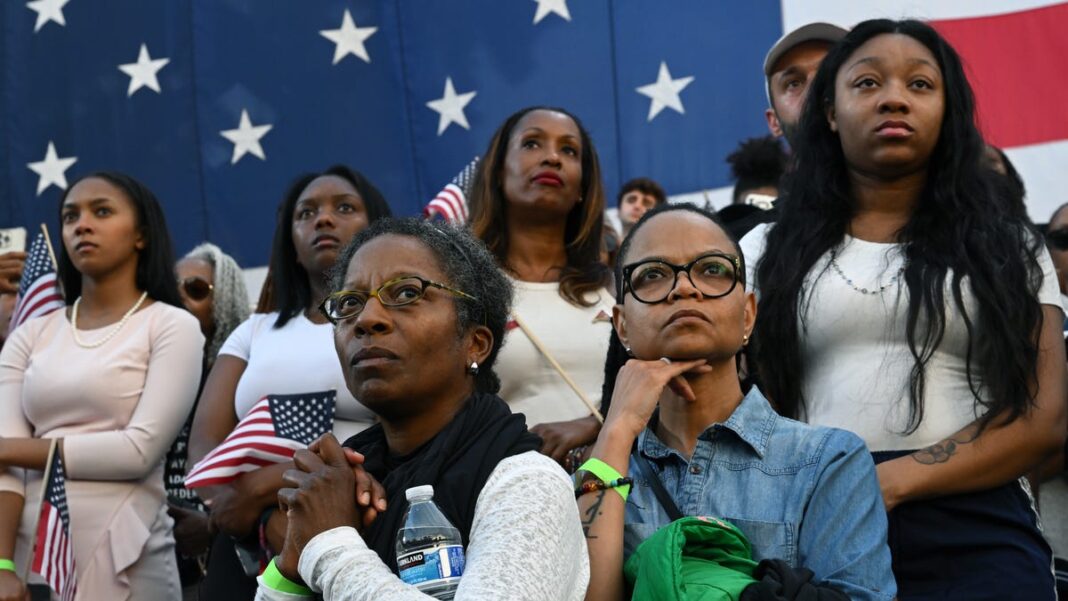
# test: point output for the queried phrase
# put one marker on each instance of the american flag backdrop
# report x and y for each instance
(39, 288)
(274, 429)
(217, 104)
(451, 203)
(53, 556)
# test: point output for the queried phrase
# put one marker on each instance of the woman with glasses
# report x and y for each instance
(905, 298)
(680, 425)
(538, 204)
(107, 383)
(212, 288)
(286, 351)
(419, 313)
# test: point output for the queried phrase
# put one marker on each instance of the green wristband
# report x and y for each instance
(7, 564)
(606, 473)
(274, 580)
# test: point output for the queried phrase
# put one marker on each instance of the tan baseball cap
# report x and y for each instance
(826, 32)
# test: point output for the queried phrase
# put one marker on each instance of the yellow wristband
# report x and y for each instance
(606, 473)
(7, 564)
(274, 580)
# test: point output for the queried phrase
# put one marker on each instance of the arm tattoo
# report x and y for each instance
(940, 452)
(591, 514)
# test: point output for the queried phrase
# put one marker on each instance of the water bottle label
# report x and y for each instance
(434, 563)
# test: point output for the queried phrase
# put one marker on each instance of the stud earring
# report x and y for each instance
(473, 368)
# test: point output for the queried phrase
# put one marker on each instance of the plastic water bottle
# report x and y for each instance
(430, 552)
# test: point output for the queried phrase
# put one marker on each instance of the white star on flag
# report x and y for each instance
(349, 39)
(47, 10)
(52, 170)
(246, 138)
(551, 6)
(450, 107)
(665, 92)
(143, 72)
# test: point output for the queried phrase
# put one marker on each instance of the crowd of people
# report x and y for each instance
(849, 384)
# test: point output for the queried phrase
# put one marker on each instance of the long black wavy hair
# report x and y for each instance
(617, 354)
(961, 228)
(290, 292)
(155, 263)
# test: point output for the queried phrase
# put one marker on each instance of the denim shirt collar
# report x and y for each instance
(752, 422)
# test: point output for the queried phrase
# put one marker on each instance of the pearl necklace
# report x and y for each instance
(114, 330)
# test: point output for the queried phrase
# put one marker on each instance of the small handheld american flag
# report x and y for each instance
(451, 202)
(274, 429)
(38, 289)
(53, 557)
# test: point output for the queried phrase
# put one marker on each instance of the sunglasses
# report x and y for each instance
(196, 288)
(1058, 239)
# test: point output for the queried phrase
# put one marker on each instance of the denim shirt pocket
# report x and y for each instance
(770, 540)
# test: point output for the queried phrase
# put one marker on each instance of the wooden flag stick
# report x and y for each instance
(560, 370)
(44, 491)
(48, 243)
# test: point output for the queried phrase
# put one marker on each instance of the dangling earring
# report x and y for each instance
(627, 348)
(745, 339)
(473, 368)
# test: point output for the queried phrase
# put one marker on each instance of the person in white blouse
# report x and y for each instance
(538, 204)
(903, 297)
(419, 313)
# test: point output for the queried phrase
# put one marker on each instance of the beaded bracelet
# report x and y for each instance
(595, 485)
(8, 565)
(605, 473)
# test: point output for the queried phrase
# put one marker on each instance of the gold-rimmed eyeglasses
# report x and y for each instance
(405, 290)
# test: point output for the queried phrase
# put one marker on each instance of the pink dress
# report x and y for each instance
(118, 408)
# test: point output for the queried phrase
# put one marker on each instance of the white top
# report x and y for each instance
(297, 358)
(526, 544)
(577, 337)
(858, 363)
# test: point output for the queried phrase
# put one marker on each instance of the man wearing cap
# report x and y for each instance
(789, 67)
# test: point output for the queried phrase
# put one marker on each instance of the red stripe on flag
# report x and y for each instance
(1016, 62)
(42, 537)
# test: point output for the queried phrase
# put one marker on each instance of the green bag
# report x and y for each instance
(691, 559)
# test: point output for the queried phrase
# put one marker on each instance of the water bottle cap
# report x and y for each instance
(415, 492)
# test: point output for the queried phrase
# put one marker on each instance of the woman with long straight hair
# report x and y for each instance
(108, 382)
(285, 351)
(903, 298)
(538, 204)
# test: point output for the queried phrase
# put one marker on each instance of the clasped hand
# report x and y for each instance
(329, 489)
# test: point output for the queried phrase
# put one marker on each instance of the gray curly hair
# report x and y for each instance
(230, 302)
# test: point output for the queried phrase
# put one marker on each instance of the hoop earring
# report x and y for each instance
(473, 368)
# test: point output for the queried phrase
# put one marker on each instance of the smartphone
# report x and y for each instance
(12, 239)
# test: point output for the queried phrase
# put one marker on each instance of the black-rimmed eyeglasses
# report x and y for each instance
(651, 281)
(346, 304)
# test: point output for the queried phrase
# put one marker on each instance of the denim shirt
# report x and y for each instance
(804, 494)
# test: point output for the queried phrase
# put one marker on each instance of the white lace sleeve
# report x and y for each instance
(526, 544)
